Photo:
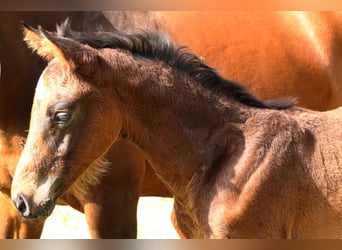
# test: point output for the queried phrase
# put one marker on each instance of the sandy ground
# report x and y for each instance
(153, 221)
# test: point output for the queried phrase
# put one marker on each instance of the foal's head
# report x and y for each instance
(67, 109)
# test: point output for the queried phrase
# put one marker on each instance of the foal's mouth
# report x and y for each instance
(46, 209)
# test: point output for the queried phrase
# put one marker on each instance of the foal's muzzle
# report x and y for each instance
(29, 210)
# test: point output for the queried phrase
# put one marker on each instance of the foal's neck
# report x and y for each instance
(175, 121)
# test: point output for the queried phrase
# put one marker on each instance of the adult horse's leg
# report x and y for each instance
(111, 207)
(12, 226)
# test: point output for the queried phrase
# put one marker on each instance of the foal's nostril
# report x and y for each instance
(22, 205)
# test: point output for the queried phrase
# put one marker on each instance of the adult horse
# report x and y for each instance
(238, 167)
(274, 53)
(244, 45)
(107, 216)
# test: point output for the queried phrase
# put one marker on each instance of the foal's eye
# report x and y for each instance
(61, 118)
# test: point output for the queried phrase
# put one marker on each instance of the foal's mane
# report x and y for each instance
(159, 46)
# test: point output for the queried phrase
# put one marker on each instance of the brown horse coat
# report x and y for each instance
(238, 167)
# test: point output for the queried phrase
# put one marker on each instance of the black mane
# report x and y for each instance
(159, 46)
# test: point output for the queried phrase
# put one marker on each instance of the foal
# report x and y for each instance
(238, 167)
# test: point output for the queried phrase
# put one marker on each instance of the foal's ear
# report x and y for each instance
(75, 55)
(39, 43)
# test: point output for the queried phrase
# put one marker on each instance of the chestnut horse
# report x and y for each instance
(129, 177)
(274, 53)
(238, 167)
(243, 45)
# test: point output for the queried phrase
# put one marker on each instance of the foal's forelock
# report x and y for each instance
(158, 46)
